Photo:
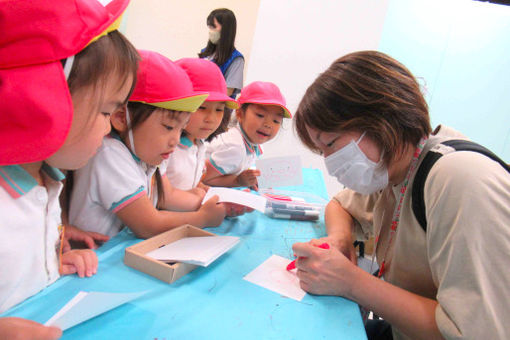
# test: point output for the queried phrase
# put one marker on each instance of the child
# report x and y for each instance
(187, 164)
(122, 184)
(234, 152)
(64, 70)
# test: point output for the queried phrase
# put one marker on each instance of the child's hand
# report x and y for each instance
(203, 186)
(199, 192)
(234, 210)
(23, 329)
(89, 238)
(248, 178)
(213, 212)
(80, 261)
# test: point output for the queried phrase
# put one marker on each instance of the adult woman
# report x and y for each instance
(220, 48)
(367, 116)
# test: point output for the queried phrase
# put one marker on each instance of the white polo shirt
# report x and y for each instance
(186, 164)
(29, 220)
(111, 180)
(231, 153)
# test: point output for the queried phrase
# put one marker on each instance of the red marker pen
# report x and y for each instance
(292, 265)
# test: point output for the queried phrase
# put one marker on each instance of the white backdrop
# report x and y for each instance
(295, 40)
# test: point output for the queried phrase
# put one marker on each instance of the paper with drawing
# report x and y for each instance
(273, 275)
(279, 171)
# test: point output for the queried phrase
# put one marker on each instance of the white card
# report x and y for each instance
(279, 171)
(273, 275)
(195, 250)
(237, 196)
(86, 305)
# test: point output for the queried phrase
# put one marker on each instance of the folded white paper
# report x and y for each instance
(195, 250)
(237, 196)
(86, 305)
(273, 275)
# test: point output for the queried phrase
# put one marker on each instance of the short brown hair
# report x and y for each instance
(369, 92)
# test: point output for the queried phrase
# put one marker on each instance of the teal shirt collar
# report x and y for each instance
(116, 136)
(250, 147)
(17, 181)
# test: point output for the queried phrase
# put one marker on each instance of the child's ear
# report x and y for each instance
(118, 119)
(239, 114)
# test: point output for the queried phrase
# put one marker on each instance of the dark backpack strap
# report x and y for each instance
(417, 195)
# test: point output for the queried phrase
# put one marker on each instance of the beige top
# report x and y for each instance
(463, 259)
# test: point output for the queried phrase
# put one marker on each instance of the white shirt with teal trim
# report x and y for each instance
(231, 153)
(111, 180)
(29, 220)
(186, 164)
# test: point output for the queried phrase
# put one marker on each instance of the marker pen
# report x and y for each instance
(313, 213)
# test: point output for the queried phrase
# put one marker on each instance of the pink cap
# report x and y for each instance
(265, 93)
(160, 82)
(36, 103)
(206, 76)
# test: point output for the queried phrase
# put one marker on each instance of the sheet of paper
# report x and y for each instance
(237, 196)
(195, 250)
(279, 171)
(273, 275)
(86, 305)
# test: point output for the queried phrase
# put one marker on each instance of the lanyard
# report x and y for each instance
(398, 207)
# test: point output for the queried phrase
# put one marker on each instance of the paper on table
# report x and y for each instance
(237, 196)
(279, 171)
(195, 250)
(273, 275)
(86, 305)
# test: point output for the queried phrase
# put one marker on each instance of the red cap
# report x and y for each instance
(206, 76)
(35, 36)
(265, 93)
(160, 82)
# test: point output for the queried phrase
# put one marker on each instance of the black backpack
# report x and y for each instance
(417, 198)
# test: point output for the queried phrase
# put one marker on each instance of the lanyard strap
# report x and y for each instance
(398, 207)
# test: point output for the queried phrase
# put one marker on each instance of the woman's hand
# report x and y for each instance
(346, 246)
(83, 262)
(89, 238)
(323, 271)
(23, 329)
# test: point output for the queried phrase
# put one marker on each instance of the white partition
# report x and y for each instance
(295, 40)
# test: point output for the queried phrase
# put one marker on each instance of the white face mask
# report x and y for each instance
(214, 36)
(353, 169)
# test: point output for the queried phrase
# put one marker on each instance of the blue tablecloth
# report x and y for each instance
(209, 303)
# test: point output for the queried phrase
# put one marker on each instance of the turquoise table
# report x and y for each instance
(208, 303)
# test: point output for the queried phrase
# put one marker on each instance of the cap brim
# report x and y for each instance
(188, 104)
(36, 115)
(286, 112)
(220, 97)
(115, 9)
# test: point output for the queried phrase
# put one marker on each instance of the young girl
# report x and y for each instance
(220, 48)
(63, 74)
(187, 164)
(234, 152)
(122, 184)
